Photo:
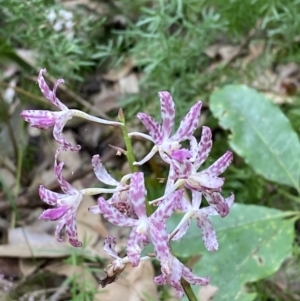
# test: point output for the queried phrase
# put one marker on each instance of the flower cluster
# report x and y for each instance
(127, 205)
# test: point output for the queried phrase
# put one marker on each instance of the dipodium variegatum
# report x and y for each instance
(127, 205)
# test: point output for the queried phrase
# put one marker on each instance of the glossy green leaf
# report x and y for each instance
(261, 133)
(253, 242)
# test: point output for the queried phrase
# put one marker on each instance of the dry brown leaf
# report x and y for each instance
(83, 275)
(129, 84)
(28, 265)
(206, 293)
(134, 284)
(116, 75)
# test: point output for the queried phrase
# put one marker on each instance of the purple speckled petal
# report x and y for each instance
(109, 246)
(182, 230)
(153, 127)
(50, 95)
(54, 214)
(41, 119)
(218, 203)
(114, 216)
(65, 186)
(192, 278)
(159, 239)
(220, 165)
(135, 246)
(101, 172)
(71, 231)
(209, 235)
(196, 199)
(188, 124)
(137, 192)
(167, 113)
(201, 181)
(58, 135)
(181, 169)
(59, 227)
(49, 196)
(160, 280)
(175, 276)
(204, 147)
(168, 206)
(95, 209)
(181, 154)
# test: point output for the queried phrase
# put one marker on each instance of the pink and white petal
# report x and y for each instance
(134, 247)
(101, 172)
(109, 246)
(49, 196)
(220, 165)
(188, 124)
(200, 181)
(160, 280)
(175, 276)
(204, 147)
(64, 184)
(181, 154)
(209, 235)
(167, 113)
(142, 135)
(193, 148)
(159, 239)
(71, 231)
(95, 209)
(168, 207)
(153, 127)
(148, 157)
(230, 200)
(114, 216)
(181, 230)
(182, 169)
(54, 214)
(41, 119)
(196, 199)
(191, 278)
(216, 200)
(137, 193)
(59, 227)
(58, 135)
(50, 95)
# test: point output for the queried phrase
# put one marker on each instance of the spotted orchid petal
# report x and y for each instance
(204, 147)
(153, 127)
(219, 166)
(44, 119)
(217, 202)
(138, 193)
(101, 172)
(113, 215)
(167, 113)
(188, 124)
(50, 95)
(66, 206)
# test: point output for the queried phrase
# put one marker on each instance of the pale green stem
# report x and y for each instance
(129, 150)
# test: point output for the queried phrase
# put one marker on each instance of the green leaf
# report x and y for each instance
(261, 133)
(253, 242)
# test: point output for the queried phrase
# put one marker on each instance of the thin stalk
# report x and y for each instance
(188, 290)
(129, 150)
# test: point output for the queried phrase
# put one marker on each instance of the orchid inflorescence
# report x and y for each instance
(127, 205)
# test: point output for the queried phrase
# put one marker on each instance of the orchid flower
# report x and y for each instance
(160, 133)
(172, 269)
(209, 236)
(68, 203)
(44, 119)
(207, 181)
(139, 236)
(120, 199)
(66, 206)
